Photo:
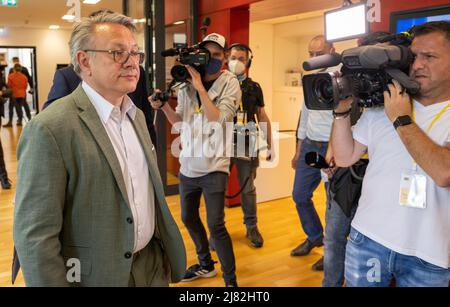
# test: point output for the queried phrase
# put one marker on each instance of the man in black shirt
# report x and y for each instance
(250, 114)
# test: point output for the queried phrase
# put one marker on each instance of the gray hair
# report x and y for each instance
(82, 33)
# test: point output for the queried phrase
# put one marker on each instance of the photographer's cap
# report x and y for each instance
(214, 38)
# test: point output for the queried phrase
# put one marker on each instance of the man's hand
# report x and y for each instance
(196, 78)
(344, 105)
(396, 102)
(156, 104)
(332, 169)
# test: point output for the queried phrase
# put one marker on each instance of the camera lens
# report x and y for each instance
(179, 73)
(323, 89)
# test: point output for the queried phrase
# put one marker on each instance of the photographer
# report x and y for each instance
(250, 108)
(208, 99)
(401, 226)
(313, 136)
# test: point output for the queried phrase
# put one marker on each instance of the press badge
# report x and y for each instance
(240, 118)
(413, 190)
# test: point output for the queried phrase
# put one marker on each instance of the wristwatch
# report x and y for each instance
(402, 121)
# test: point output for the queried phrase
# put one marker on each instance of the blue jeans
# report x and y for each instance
(337, 228)
(370, 264)
(307, 180)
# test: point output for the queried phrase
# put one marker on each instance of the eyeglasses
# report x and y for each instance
(121, 56)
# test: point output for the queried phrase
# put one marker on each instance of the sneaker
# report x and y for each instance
(197, 271)
(305, 248)
(255, 238)
(9, 124)
(318, 266)
(19, 123)
(231, 284)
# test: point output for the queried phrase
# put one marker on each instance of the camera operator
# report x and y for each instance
(251, 106)
(211, 98)
(313, 136)
(401, 226)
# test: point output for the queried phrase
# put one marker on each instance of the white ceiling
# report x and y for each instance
(43, 13)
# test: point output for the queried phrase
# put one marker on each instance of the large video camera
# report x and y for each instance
(365, 74)
(194, 56)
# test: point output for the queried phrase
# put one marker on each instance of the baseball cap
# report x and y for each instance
(214, 38)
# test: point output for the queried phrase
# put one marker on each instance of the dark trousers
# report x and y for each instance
(2, 159)
(14, 105)
(246, 171)
(22, 103)
(213, 187)
(307, 179)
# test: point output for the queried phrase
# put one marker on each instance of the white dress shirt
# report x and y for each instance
(133, 163)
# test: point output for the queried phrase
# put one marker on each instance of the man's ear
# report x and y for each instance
(83, 60)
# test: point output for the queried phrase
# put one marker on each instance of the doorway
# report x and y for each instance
(27, 58)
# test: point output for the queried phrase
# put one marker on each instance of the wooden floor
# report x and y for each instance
(270, 266)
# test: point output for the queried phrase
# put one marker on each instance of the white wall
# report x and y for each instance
(261, 43)
(51, 49)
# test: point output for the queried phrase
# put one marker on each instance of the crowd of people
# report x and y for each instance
(89, 188)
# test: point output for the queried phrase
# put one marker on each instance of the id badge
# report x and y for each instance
(413, 190)
(240, 118)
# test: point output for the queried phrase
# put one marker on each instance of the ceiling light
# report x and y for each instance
(91, 1)
(179, 22)
(54, 27)
(68, 17)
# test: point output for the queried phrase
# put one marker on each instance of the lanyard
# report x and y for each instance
(430, 126)
(438, 116)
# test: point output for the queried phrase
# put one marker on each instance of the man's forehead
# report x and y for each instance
(430, 42)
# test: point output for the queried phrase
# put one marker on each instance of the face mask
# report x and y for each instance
(236, 67)
(213, 66)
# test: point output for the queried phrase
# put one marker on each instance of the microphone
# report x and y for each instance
(314, 159)
(323, 61)
(169, 52)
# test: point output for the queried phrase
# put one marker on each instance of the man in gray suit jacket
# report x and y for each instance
(90, 205)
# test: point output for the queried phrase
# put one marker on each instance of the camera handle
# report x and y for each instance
(411, 86)
(172, 85)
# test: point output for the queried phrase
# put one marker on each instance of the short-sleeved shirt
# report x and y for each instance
(423, 233)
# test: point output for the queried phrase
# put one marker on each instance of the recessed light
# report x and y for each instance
(68, 17)
(54, 27)
(91, 1)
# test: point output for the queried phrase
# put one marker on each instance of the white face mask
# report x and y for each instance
(236, 67)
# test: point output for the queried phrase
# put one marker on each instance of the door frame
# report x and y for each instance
(33, 75)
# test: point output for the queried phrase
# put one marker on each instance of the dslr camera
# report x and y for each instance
(194, 56)
(365, 74)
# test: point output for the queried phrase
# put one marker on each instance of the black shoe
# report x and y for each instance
(198, 271)
(318, 266)
(5, 182)
(255, 238)
(305, 248)
(8, 124)
(231, 284)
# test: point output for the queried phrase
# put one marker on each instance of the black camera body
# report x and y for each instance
(365, 74)
(194, 56)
